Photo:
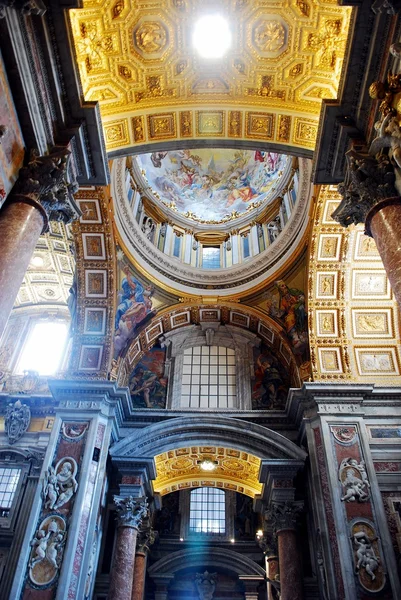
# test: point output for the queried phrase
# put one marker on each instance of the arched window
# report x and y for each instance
(207, 513)
(209, 378)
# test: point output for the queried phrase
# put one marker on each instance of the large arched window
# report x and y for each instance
(208, 377)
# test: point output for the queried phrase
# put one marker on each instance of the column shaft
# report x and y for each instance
(20, 225)
(122, 572)
(290, 565)
(272, 570)
(138, 588)
(383, 222)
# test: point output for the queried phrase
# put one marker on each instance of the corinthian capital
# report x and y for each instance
(45, 180)
(27, 7)
(130, 511)
(146, 538)
(368, 181)
(267, 543)
(284, 515)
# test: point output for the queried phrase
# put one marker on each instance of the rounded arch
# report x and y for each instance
(214, 430)
(214, 558)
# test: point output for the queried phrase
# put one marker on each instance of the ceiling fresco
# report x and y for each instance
(138, 61)
(213, 185)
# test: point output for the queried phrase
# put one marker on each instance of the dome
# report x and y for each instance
(212, 185)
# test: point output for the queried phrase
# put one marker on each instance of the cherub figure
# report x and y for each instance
(356, 483)
(40, 542)
(365, 553)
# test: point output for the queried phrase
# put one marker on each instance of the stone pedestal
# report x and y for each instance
(130, 513)
(21, 225)
(383, 223)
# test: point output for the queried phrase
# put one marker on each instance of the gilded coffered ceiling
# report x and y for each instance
(234, 470)
(138, 61)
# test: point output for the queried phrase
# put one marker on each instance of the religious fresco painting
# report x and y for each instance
(271, 383)
(134, 304)
(212, 185)
(288, 308)
(147, 384)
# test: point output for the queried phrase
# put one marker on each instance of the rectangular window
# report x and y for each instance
(8, 484)
(245, 246)
(177, 246)
(207, 514)
(211, 257)
(208, 379)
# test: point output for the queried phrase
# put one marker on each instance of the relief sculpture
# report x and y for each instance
(60, 483)
(354, 479)
(47, 550)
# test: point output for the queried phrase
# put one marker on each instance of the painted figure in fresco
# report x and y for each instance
(292, 313)
(135, 304)
(269, 390)
(148, 388)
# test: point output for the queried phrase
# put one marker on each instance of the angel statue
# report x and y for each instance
(354, 480)
(389, 136)
(47, 545)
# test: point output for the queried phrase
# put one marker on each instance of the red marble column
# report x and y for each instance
(21, 223)
(290, 565)
(122, 572)
(384, 224)
(130, 513)
(272, 569)
(138, 588)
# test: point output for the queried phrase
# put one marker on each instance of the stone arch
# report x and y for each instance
(215, 558)
(224, 431)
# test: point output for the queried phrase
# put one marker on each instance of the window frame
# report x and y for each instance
(9, 521)
(185, 511)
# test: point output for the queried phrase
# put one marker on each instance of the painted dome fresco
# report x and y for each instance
(213, 185)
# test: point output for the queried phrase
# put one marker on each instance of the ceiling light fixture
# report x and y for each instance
(207, 465)
(212, 36)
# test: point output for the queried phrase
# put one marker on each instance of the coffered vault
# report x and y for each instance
(136, 61)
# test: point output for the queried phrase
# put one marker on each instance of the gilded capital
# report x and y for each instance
(45, 180)
(369, 180)
(131, 511)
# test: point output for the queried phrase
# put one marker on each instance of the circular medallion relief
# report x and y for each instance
(150, 37)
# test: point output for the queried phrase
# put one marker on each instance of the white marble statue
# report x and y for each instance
(354, 480)
(365, 554)
(389, 136)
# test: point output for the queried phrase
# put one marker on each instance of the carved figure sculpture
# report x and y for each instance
(389, 136)
(60, 484)
(365, 554)
(354, 480)
(48, 545)
(205, 585)
(17, 420)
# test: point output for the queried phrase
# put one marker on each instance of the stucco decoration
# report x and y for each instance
(60, 483)
(367, 558)
(47, 550)
(17, 420)
(212, 185)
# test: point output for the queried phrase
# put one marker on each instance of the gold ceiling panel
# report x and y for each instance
(234, 470)
(137, 60)
(354, 321)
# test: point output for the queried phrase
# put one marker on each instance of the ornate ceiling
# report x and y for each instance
(137, 60)
(181, 469)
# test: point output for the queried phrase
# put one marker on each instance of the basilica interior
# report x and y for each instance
(200, 282)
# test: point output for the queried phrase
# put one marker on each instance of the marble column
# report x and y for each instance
(284, 517)
(383, 224)
(268, 545)
(130, 513)
(146, 537)
(370, 197)
(41, 193)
